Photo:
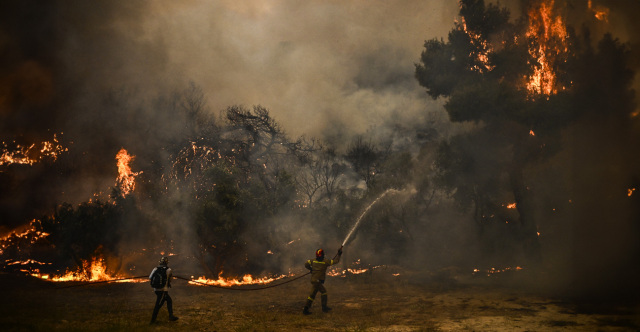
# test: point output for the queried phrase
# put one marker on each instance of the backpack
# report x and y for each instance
(159, 277)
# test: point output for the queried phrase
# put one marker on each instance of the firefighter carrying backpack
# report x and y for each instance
(159, 277)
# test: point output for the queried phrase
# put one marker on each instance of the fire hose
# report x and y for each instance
(253, 289)
(102, 282)
(197, 282)
(186, 279)
(243, 289)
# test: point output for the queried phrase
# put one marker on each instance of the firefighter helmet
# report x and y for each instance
(319, 253)
(164, 260)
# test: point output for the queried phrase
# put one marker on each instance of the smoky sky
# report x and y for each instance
(314, 64)
(323, 68)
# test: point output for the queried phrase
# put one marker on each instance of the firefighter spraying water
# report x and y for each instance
(318, 269)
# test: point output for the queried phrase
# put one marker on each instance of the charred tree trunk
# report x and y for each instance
(528, 234)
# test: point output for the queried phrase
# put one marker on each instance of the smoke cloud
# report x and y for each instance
(324, 69)
(105, 74)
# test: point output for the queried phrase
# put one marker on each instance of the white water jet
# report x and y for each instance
(355, 226)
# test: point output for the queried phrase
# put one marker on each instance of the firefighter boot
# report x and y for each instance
(306, 307)
(324, 303)
(154, 316)
(170, 309)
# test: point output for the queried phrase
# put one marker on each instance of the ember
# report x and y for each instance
(493, 270)
(29, 155)
(480, 43)
(599, 12)
(31, 234)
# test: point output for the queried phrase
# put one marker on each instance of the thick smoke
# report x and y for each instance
(107, 75)
(95, 72)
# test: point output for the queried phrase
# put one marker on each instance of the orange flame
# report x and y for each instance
(31, 234)
(96, 270)
(485, 48)
(600, 13)
(247, 279)
(493, 270)
(335, 273)
(550, 36)
(357, 271)
(126, 178)
(29, 155)
(630, 191)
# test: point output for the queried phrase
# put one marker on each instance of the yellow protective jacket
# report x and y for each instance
(319, 268)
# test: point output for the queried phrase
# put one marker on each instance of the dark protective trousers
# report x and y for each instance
(315, 287)
(161, 298)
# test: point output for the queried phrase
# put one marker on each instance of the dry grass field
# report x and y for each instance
(373, 301)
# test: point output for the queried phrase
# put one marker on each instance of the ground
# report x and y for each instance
(372, 301)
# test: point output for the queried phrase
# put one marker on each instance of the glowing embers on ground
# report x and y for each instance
(492, 271)
(355, 268)
(126, 178)
(28, 155)
(247, 279)
(510, 205)
(548, 42)
(630, 191)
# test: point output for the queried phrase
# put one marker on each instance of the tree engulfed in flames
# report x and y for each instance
(126, 178)
(483, 46)
(29, 155)
(31, 234)
(549, 41)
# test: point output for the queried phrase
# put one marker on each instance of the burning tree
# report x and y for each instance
(521, 84)
(79, 232)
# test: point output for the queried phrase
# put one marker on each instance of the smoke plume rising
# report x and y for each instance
(108, 75)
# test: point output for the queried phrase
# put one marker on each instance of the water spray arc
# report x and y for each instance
(355, 226)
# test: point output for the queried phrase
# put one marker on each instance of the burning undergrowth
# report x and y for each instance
(232, 199)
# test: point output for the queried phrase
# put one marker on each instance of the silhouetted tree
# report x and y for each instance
(481, 71)
(365, 159)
